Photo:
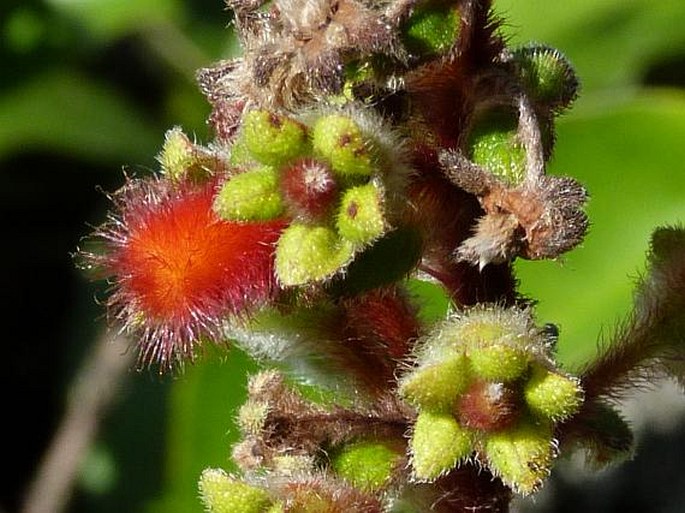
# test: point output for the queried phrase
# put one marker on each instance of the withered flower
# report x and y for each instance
(295, 51)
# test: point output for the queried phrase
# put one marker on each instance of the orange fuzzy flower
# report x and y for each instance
(178, 270)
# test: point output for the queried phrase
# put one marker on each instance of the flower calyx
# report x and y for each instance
(486, 391)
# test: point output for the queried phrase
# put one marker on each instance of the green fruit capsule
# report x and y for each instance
(367, 464)
(250, 196)
(360, 217)
(222, 494)
(307, 254)
(437, 386)
(547, 75)
(437, 445)
(240, 154)
(552, 396)
(499, 361)
(521, 456)
(340, 141)
(272, 139)
(494, 144)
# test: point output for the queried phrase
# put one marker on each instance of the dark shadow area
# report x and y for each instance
(668, 71)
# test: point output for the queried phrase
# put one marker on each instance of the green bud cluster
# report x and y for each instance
(483, 384)
(341, 221)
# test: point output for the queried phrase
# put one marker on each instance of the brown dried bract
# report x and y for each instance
(294, 52)
(540, 218)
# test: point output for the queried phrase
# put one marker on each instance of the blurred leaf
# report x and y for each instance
(23, 30)
(431, 299)
(631, 157)
(204, 402)
(109, 19)
(186, 107)
(611, 43)
(69, 113)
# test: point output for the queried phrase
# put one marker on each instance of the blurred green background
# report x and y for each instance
(88, 88)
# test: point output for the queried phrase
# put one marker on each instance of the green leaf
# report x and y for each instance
(204, 401)
(433, 299)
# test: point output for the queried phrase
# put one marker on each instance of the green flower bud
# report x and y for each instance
(308, 254)
(250, 196)
(339, 140)
(271, 139)
(436, 387)
(222, 494)
(521, 456)
(360, 217)
(552, 396)
(499, 361)
(240, 154)
(494, 144)
(547, 75)
(437, 445)
(433, 28)
(177, 154)
(252, 416)
(367, 465)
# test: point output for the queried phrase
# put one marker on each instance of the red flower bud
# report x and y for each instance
(309, 188)
(488, 407)
(178, 269)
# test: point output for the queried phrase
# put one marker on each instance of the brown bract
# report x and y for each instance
(295, 427)
(294, 52)
(540, 218)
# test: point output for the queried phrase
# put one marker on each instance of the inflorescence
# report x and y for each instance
(358, 145)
